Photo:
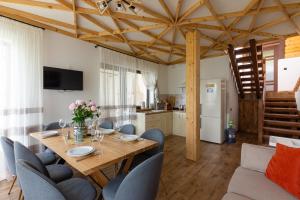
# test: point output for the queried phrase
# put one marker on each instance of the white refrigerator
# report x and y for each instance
(212, 110)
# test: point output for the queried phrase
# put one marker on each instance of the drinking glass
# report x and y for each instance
(62, 124)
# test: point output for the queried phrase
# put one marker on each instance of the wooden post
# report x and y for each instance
(260, 120)
(192, 95)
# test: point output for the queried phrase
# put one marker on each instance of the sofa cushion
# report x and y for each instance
(284, 168)
(233, 196)
(256, 157)
(255, 185)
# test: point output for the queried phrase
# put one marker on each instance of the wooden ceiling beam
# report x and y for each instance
(75, 17)
(224, 16)
(66, 4)
(287, 15)
(119, 28)
(151, 12)
(159, 36)
(178, 9)
(167, 10)
(40, 4)
(191, 10)
(215, 15)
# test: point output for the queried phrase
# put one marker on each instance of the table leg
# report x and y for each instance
(100, 178)
(128, 164)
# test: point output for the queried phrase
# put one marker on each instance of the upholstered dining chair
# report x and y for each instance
(8, 149)
(107, 125)
(56, 172)
(151, 134)
(52, 156)
(128, 129)
(36, 185)
(140, 184)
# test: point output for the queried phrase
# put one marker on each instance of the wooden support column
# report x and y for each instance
(192, 95)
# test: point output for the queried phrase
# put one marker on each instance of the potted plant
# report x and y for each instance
(81, 111)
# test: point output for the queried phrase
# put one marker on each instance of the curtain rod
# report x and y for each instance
(22, 22)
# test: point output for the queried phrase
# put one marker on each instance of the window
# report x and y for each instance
(141, 90)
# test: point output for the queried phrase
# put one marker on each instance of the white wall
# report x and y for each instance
(288, 73)
(66, 52)
(211, 68)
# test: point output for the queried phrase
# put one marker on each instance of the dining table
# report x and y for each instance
(109, 152)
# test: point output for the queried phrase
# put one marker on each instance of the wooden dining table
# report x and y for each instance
(109, 152)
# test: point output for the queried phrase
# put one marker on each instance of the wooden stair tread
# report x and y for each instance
(281, 123)
(281, 104)
(280, 99)
(281, 110)
(282, 116)
(282, 131)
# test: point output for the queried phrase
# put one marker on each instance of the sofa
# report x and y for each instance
(249, 181)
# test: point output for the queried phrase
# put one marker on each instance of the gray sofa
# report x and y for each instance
(249, 182)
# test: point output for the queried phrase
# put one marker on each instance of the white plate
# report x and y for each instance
(129, 138)
(107, 131)
(80, 151)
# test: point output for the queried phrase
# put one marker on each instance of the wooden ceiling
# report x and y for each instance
(157, 32)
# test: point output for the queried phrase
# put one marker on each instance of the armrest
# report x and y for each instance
(256, 157)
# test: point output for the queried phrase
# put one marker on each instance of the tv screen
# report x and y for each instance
(62, 79)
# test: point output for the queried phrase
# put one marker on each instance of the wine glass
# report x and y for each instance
(62, 124)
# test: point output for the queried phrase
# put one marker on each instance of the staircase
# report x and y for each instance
(248, 68)
(281, 117)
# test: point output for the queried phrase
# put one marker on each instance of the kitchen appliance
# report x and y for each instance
(212, 110)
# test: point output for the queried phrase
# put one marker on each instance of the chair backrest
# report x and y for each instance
(107, 125)
(8, 149)
(128, 129)
(143, 181)
(23, 153)
(52, 126)
(35, 185)
(156, 135)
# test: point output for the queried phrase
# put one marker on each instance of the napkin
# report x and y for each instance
(47, 134)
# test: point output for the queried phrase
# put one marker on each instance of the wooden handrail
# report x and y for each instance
(297, 85)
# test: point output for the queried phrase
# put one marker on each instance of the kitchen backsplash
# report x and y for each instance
(180, 98)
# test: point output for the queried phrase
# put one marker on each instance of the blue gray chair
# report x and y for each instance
(140, 184)
(55, 172)
(8, 149)
(36, 185)
(107, 125)
(151, 134)
(52, 157)
(128, 129)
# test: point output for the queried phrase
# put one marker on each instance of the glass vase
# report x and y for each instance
(79, 132)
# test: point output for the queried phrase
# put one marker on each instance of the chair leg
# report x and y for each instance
(20, 195)
(12, 185)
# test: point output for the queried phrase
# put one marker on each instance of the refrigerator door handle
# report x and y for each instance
(200, 122)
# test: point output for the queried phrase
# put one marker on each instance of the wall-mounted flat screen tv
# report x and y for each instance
(62, 79)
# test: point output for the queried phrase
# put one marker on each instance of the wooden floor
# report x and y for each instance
(186, 180)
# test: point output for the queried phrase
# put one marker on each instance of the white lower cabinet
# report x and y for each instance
(179, 119)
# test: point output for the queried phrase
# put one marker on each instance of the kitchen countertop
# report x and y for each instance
(160, 111)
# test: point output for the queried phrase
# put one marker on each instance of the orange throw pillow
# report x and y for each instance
(284, 169)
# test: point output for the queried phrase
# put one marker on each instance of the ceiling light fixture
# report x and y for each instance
(119, 5)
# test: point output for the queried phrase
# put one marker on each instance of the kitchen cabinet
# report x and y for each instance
(160, 120)
(179, 123)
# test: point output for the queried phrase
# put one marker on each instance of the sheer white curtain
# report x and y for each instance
(117, 86)
(20, 82)
(149, 72)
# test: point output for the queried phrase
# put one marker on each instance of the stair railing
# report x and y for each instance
(261, 108)
(297, 85)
